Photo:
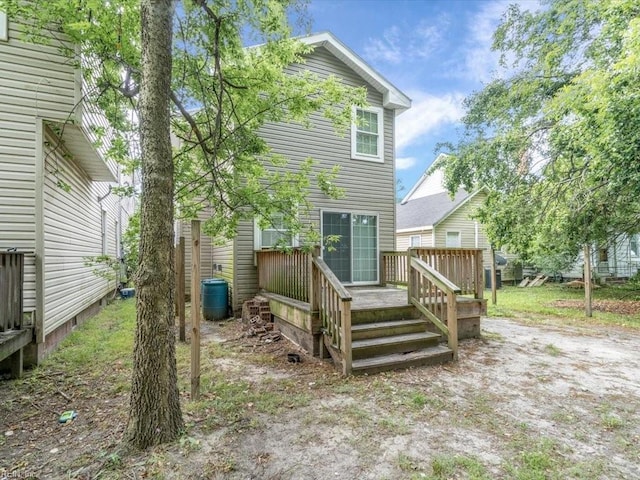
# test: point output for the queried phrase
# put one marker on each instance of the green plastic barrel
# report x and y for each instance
(215, 298)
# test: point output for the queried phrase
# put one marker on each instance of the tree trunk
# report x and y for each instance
(155, 416)
(587, 281)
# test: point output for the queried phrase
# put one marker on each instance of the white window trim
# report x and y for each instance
(361, 156)
(446, 237)
(4, 27)
(103, 230)
(411, 237)
(257, 237)
(634, 239)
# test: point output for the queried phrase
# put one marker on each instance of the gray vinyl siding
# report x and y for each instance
(72, 232)
(206, 250)
(35, 80)
(461, 221)
(369, 186)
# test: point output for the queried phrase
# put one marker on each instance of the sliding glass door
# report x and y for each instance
(350, 246)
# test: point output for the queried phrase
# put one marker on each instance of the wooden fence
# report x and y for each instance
(11, 290)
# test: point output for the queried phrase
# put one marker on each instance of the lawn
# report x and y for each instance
(535, 398)
(613, 305)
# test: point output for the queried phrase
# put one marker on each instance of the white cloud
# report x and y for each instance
(480, 62)
(408, 43)
(426, 115)
(405, 163)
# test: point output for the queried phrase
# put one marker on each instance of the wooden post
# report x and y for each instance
(587, 280)
(479, 287)
(345, 313)
(180, 288)
(494, 278)
(452, 323)
(409, 282)
(383, 271)
(195, 309)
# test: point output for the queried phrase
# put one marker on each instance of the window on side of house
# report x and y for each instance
(415, 241)
(603, 255)
(367, 134)
(276, 234)
(453, 240)
(103, 232)
(634, 246)
(4, 27)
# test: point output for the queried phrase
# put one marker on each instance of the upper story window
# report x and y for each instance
(4, 27)
(367, 134)
(453, 240)
(415, 241)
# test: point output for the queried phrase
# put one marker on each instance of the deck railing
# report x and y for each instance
(11, 290)
(285, 272)
(433, 294)
(461, 266)
(333, 303)
(305, 277)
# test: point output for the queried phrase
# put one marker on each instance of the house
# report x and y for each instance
(341, 301)
(618, 259)
(364, 218)
(55, 201)
(428, 216)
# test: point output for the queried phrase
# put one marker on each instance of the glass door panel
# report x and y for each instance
(337, 254)
(365, 248)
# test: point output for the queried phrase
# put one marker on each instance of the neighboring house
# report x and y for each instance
(429, 217)
(55, 201)
(364, 218)
(619, 259)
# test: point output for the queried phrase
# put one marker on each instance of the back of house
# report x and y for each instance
(364, 218)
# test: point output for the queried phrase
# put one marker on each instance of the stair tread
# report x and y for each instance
(399, 358)
(387, 324)
(408, 337)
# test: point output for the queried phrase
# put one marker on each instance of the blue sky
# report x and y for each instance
(435, 51)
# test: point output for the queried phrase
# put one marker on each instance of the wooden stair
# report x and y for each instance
(393, 338)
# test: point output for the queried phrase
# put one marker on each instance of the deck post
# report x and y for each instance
(345, 313)
(180, 288)
(195, 309)
(313, 300)
(494, 278)
(383, 271)
(409, 279)
(479, 286)
(17, 361)
(452, 323)
(587, 280)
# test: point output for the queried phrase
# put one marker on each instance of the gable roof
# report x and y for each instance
(392, 97)
(435, 165)
(425, 212)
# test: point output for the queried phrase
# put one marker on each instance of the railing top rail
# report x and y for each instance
(436, 277)
(448, 249)
(333, 280)
(282, 250)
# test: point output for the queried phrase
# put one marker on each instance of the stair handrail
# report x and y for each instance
(432, 293)
(333, 303)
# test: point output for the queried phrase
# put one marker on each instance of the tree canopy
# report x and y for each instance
(556, 139)
(150, 72)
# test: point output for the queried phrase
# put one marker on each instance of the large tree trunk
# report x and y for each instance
(155, 416)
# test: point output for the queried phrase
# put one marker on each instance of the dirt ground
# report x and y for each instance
(526, 401)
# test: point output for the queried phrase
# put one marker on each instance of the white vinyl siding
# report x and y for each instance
(35, 80)
(367, 134)
(72, 232)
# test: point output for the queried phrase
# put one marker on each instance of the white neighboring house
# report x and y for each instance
(429, 217)
(55, 200)
(618, 259)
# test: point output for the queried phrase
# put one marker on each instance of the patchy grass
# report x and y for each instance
(537, 303)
